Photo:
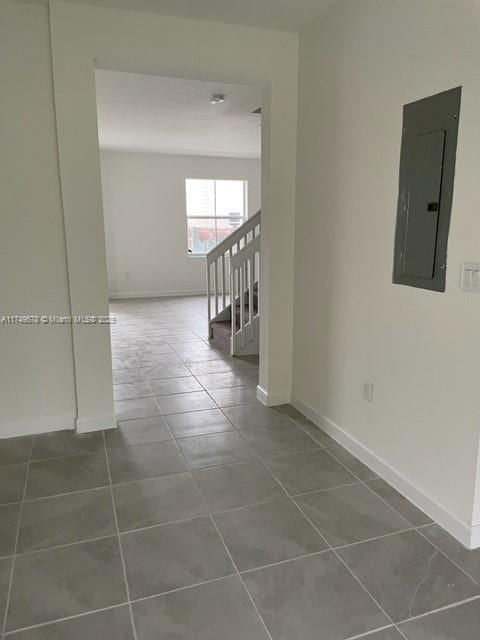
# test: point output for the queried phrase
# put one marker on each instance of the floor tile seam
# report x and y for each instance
(413, 527)
(418, 529)
(150, 395)
(447, 607)
(329, 546)
(263, 503)
(244, 385)
(292, 560)
(358, 543)
(15, 464)
(299, 425)
(163, 395)
(366, 634)
(17, 537)
(163, 525)
(443, 553)
(227, 550)
(119, 541)
(35, 461)
(311, 492)
(75, 616)
(66, 493)
(366, 484)
(10, 504)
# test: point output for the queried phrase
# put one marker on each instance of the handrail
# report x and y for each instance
(243, 285)
(245, 253)
(219, 260)
(234, 237)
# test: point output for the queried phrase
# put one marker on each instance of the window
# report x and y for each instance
(215, 208)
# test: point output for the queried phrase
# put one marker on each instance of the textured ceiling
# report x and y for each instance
(166, 115)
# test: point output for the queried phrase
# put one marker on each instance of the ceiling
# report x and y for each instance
(286, 15)
(171, 116)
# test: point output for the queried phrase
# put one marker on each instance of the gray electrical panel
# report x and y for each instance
(427, 170)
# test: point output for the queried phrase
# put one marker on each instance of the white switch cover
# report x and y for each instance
(470, 280)
(368, 391)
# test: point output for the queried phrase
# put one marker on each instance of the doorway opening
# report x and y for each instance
(181, 174)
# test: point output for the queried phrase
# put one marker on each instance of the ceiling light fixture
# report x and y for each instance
(217, 98)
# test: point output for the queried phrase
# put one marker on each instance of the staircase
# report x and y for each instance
(233, 273)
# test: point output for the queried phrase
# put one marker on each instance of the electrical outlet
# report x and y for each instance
(368, 391)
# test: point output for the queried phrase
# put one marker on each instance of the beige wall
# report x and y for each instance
(358, 66)
(36, 372)
(144, 198)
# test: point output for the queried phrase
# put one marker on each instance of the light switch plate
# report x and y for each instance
(470, 279)
(367, 392)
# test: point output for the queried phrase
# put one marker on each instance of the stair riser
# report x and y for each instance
(221, 342)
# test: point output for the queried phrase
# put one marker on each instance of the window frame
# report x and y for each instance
(243, 218)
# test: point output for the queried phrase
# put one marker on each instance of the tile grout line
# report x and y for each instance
(297, 423)
(367, 634)
(420, 532)
(446, 607)
(75, 616)
(189, 519)
(119, 541)
(291, 499)
(17, 537)
(329, 549)
(227, 550)
(372, 634)
(366, 484)
(417, 529)
(339, 558)
(391, 534)
(34, 461)
(67, 493)
(304, 556)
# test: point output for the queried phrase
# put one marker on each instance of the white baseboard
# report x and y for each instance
(475, 537)
(467, 534)
(33, 426)
(271, 399)
(97, 423)
(120, 295)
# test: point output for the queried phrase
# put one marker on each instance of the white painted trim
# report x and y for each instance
(155, 294)
(466, 533)
(271, 399)
(97, 423)
(475, 537)
(33, 426)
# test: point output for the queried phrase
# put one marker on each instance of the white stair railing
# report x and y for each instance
(244, 285)
(219, 265)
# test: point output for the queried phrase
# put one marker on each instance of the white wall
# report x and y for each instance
(84, 36)
(36, 374)
(52, 242)
(145, 218)
(358, 66)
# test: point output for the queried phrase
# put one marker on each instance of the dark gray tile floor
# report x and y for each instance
(207, 516)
